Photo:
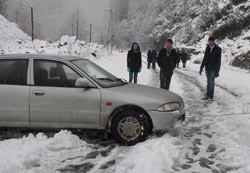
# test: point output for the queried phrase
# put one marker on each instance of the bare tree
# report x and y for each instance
(75, 25)
(2, 7)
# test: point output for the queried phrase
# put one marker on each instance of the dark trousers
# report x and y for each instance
(210, 83)
(165, 78)
(133, 75)
(184, 65)
(149, 64)
(153, 65)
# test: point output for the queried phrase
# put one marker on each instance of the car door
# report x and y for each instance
(56, 102)
(14, 92)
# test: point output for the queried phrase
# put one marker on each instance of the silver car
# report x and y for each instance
(49, 91)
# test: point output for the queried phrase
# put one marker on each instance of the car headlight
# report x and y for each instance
(169, 107)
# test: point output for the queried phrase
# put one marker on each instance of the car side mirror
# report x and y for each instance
(83, 83)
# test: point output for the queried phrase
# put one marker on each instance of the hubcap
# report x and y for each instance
(129, 128)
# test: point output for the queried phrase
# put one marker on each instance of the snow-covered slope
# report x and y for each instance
(10, 32)
(188, 23)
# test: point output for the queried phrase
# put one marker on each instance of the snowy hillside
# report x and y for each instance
(188, 22)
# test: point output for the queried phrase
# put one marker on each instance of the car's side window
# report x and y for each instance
(13, 71)
(54, 74)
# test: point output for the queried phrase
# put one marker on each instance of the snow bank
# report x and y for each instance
(13, 40)
(154, 155)
(39, 153)
(61, 47)
(9, 32)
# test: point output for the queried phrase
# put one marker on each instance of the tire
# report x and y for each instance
(130, 127)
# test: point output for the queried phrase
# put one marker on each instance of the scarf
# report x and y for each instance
(169, 50)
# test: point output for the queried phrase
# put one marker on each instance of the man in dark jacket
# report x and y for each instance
(178, 59)
(154, 58)
(149, 58)
(134, 62)
(212, 63)
(167, 62)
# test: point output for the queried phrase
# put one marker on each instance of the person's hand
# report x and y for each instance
(139, 70)
(217, 74)
(128, 69)
(201, 71)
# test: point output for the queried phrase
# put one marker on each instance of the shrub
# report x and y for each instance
(242, 61)
(237, 2)
(233, 28)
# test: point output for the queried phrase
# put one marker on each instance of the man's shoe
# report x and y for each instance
(205, 98)
(210, 99)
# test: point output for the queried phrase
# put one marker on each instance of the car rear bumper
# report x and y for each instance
(166, 120)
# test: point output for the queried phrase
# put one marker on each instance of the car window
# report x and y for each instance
(14, 71)
(54, 74)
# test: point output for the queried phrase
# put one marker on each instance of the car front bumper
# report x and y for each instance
(165, 120)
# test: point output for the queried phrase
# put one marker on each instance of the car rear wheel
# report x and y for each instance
(130, 127)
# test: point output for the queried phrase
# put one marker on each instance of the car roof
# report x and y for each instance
(58, 57)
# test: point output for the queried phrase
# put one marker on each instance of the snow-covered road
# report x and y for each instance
(215, 137)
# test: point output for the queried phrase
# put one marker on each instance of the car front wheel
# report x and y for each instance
(130, 127)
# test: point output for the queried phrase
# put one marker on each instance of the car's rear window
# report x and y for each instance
(13, 71)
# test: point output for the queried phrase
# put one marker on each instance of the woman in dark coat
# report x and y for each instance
(134, 62)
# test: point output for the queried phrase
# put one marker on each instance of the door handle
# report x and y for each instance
(38, 93)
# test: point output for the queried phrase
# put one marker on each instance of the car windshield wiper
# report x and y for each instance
(106, 79)
(121, 80)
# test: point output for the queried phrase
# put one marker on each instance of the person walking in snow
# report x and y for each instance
(167, 62)
(154, 59)
(212, 63)
(184, 58)
(149, 58)
(134, 62)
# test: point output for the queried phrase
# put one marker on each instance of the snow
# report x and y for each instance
(10, 32)
(140, 158)
(39, 153)
(158, 154)
(215, 136)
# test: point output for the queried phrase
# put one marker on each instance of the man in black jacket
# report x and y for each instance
(149, 58)
(212, 63)
(167, 62)
(184, 57)
(134, 62)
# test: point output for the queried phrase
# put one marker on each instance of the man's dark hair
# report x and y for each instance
(170, 41)
(211, 39)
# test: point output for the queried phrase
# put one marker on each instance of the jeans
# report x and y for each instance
(210, 83)
(133, 75)
(165, 78)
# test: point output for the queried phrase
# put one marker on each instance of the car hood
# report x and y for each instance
(150, 92)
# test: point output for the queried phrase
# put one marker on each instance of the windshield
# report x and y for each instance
(101, 76)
